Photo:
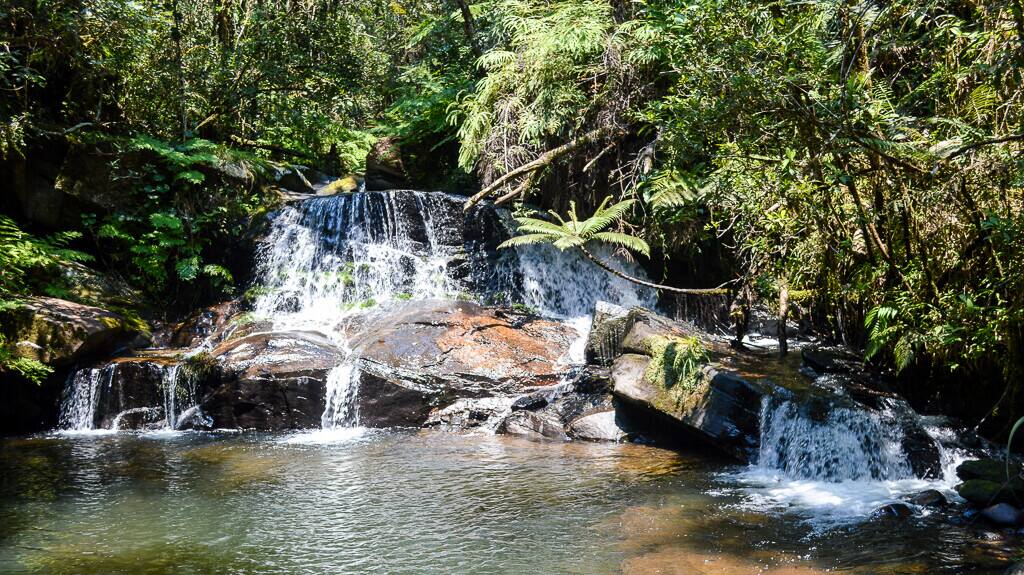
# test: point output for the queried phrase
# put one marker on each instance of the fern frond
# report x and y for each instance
(526, 240)
(625, 240)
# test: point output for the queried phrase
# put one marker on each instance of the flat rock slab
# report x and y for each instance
(427, 355)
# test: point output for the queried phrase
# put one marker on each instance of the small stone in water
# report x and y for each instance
(1003, 514)
(929, 498)
(894, 510)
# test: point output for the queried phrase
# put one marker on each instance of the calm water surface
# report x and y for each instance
(354, 502)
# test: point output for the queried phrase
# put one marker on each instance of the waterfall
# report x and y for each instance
(835, 444)
(834, 462)
(340, 410)
(333, 256)
(331, 260)
(180, 395)
(78, 409)
(96, 398)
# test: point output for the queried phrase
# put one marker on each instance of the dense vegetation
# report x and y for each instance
(867, 154)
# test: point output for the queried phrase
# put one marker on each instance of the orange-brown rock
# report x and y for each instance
(429, 354)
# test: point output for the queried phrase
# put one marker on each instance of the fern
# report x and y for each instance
(571, 232)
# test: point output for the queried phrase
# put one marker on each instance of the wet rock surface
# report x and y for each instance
(271, 381)
(429, 355)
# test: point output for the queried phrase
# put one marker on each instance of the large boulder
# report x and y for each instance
(271, 381)
(717, 394)
(59, 332)
(428, 355)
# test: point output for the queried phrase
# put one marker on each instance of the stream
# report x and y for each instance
(143, 477)
(360, 501)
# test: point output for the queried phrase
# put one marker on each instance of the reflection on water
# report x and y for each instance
(371, 501)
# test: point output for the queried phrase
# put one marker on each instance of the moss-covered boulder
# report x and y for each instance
(982, 492)
(664, 369)
(59, 332)
(717, 394)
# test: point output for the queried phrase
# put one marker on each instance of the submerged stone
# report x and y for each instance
(929, 498)
(599, 426)
(1003, 515)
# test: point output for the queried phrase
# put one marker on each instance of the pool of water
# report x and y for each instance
(394, 502)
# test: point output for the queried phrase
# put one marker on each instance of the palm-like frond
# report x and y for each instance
(604, 217)
(526, 240)
(571, 232)
(627, 241)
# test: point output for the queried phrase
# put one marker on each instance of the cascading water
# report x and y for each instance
(94, 398)
(841, 444)
(835, 463)
(329, 261)
(82, 396)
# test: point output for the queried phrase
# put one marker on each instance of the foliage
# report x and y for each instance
(29, 264)
(573, 233)
(675, 361)
(184, 208)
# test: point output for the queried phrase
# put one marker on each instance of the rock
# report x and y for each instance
(468, 413)
(339, 186)
(724, 410)
(928, 498)
(898, 510)
(530, 402)
(599, 426)
(298, 179)
(426, 356)
(139, 418)
(830, 360)
(209, 323)
(384, 166)
(86, 285)
(982, 492)
(60, 332)
(534, 425)
(987, 469)
(1015, 569)
(1003, 515)
(272, 381)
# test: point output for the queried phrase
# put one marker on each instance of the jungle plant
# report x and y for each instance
(573, 233)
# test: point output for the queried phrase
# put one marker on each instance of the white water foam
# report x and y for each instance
(835, 470)
(329, 262)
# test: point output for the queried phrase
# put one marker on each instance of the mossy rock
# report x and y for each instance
(987, 469)
(339, 186)
(60, 332)
(982, 493)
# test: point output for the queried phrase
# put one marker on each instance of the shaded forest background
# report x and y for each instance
(862, 157)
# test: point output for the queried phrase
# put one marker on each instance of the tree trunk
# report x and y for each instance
(469, 26)
(780, 329)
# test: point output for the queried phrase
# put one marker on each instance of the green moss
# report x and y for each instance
(199, 366)
(676, 362)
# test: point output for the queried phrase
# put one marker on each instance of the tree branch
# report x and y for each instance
(542, 161)
(613, 271)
